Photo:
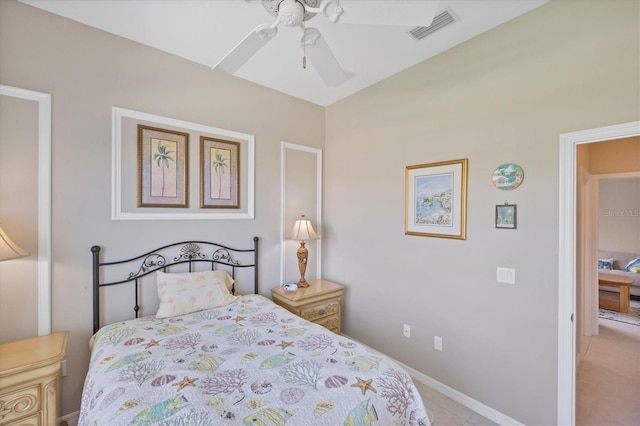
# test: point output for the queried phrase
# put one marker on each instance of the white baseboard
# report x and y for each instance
(477, 406)
(71, 418)
(459, 397)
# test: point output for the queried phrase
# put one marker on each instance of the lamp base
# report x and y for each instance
(302, 283)
(302, 253)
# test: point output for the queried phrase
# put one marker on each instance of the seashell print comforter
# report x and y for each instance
(250, 362)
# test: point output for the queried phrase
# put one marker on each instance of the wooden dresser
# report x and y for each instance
(30, 380)
(319, 303)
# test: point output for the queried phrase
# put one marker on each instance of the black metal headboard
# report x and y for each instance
(189, 252)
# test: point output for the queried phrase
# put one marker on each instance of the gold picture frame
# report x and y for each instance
(436, 199)
(219, 173)
(163, 169)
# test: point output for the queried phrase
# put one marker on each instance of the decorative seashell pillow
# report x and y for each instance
(633, 266)
(183, 293)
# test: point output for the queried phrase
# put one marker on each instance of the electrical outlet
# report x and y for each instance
(437, 343)
(63, 367)
(406, 330)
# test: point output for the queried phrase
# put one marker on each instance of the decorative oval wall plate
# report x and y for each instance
(507, 176)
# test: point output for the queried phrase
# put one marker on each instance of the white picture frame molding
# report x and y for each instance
(44, 200)
(117, 213)
(283, 199)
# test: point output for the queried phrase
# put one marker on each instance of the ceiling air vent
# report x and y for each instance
(439, 22)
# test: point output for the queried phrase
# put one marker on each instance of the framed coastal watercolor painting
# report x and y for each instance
(219, 173)
(163, 169)
(436, 199)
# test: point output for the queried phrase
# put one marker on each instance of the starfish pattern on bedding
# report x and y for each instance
(285, 345)
(185, 382)
(364, 385)
(153, 342)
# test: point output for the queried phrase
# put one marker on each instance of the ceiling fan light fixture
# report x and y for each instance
(291, 13)
(309, 36)
(275, 8)
(266, 31)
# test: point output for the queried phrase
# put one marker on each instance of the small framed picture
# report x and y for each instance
(163, 170)
(219, 173)
(506, 216)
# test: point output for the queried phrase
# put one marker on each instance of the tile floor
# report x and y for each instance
(608, 378)
(447, 412)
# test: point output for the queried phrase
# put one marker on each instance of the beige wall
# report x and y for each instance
(617, 231)
(619, 215)
(617, 156)
(505, 96)
(88, 72)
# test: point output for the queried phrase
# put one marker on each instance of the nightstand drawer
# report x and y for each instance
(29, 421)
(19, 403)
(320, 310)
(318, 303)
(29, 385)
(332, 323)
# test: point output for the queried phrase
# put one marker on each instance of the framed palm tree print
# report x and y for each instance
(163, 178)
(219, 173)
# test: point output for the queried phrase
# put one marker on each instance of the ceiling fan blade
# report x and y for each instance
(323, 60)
(410, 13)
(243, 51)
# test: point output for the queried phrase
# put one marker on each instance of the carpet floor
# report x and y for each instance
(633, 317)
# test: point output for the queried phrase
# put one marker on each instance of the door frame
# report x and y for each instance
(589, 256)
(567, 258)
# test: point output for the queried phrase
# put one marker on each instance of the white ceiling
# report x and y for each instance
(203, 31)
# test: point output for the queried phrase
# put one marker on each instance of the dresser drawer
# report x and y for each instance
(19, 403)
(320, 310)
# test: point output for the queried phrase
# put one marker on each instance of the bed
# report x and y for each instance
(245, 360)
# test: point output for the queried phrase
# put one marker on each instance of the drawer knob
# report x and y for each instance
(321, 311)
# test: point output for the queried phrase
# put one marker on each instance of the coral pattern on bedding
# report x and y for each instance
(250, 362)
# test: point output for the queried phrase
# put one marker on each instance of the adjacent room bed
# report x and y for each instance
(210, 356)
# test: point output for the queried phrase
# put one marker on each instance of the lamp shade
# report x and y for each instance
(9, 249)
(302, 230)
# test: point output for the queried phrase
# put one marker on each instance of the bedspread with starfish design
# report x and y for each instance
(250, 362)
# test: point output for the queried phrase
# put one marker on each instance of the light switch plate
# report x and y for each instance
(506, 275)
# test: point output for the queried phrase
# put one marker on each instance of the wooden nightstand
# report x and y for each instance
(319, 303)
(29, 380)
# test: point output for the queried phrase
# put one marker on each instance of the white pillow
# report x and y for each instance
(188, 292)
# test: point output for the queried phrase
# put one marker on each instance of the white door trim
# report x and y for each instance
(590, 257)
(567, 258)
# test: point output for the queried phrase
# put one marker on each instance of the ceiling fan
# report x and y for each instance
(296, 13)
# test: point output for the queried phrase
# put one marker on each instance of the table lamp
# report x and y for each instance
(302, 231)
(9, 249)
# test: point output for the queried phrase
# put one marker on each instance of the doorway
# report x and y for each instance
(567, 258)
